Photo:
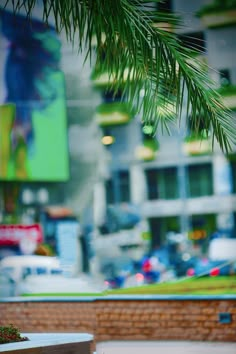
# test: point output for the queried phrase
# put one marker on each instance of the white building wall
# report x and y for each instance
(138, 184)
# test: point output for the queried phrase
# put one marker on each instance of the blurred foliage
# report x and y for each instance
(10, 334)
(158, 61)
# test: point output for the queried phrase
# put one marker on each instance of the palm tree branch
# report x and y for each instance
(158, 61)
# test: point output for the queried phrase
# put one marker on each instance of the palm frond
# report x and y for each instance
(158, 63)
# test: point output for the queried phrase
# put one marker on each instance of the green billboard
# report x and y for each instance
(33, 121)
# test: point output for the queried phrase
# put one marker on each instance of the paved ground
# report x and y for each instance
(170, 347)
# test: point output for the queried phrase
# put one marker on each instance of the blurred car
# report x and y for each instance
(207, 267)
(58, 283)
(20, 267)
(7, 286)
(41, 274)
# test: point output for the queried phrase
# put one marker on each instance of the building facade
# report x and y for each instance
(178, 184)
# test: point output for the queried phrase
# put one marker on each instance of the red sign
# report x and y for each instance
(11, 235)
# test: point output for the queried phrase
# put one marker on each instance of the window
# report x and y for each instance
(225, 77)
(162, 183)
(207, 222)
(167, 183)
(110, 95)
(234, 228)
(199, 180)
(118, 188)
(233, 173)
(151, 177)
(194, 41)
(199, 125)
(165, 6)
(161, 226)
(110, 198)
(124, 186)
(202, 227)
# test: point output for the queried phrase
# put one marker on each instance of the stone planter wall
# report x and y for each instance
(208, 318)
(50, 343)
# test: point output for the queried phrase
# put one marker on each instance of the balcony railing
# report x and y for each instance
(147, 151)
(103, 80)
(196, 145)
(218, 14)
(228, 94)
(114, 113)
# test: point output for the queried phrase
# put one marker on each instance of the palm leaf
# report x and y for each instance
(160, 64)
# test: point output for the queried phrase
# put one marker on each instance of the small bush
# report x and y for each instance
(10, 334)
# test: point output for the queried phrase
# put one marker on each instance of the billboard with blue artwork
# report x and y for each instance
(33, 127)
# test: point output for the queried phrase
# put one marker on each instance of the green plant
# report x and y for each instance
(227, 90)
(157, 59)
(10, 334)
(193, 136)
(114, 113)
(151, 144)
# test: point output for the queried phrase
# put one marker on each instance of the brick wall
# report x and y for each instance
(136, 318)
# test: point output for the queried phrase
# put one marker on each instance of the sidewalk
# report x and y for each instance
(162, 347)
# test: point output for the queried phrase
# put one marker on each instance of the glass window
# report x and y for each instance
(151, 177)
(110, 199)
(167, 183)
(160, 227)
(165, 6)
(199, 180)
(124, 186)
(225, 77)
(162, 183)
(199, 124)
(118, 188)
(233, 171)
(195, 41)
(202, 228)
(234, 228)
(111, 96)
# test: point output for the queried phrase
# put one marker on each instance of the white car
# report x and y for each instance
(58, 284)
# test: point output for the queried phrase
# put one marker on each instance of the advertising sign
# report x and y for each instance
(13, 235)
(33, 128)
(69, 252)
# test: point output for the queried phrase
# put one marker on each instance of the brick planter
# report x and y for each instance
(50, 343)
(138, 317)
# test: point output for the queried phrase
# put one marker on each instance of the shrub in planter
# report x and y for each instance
(228, 93)
(10, 334)
(197, 145)
(114, 113)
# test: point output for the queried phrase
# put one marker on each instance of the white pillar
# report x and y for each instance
(137, 184)
(221, 175)
(99, 203)
(223, 186)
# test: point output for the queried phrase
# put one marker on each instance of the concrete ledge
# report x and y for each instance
(73, 343)
(168, 297)
(116, 297)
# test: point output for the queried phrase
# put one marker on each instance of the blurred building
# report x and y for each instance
(178, 184)
(65, 155)
(116, 176)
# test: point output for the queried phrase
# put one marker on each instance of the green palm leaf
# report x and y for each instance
(159, 64)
